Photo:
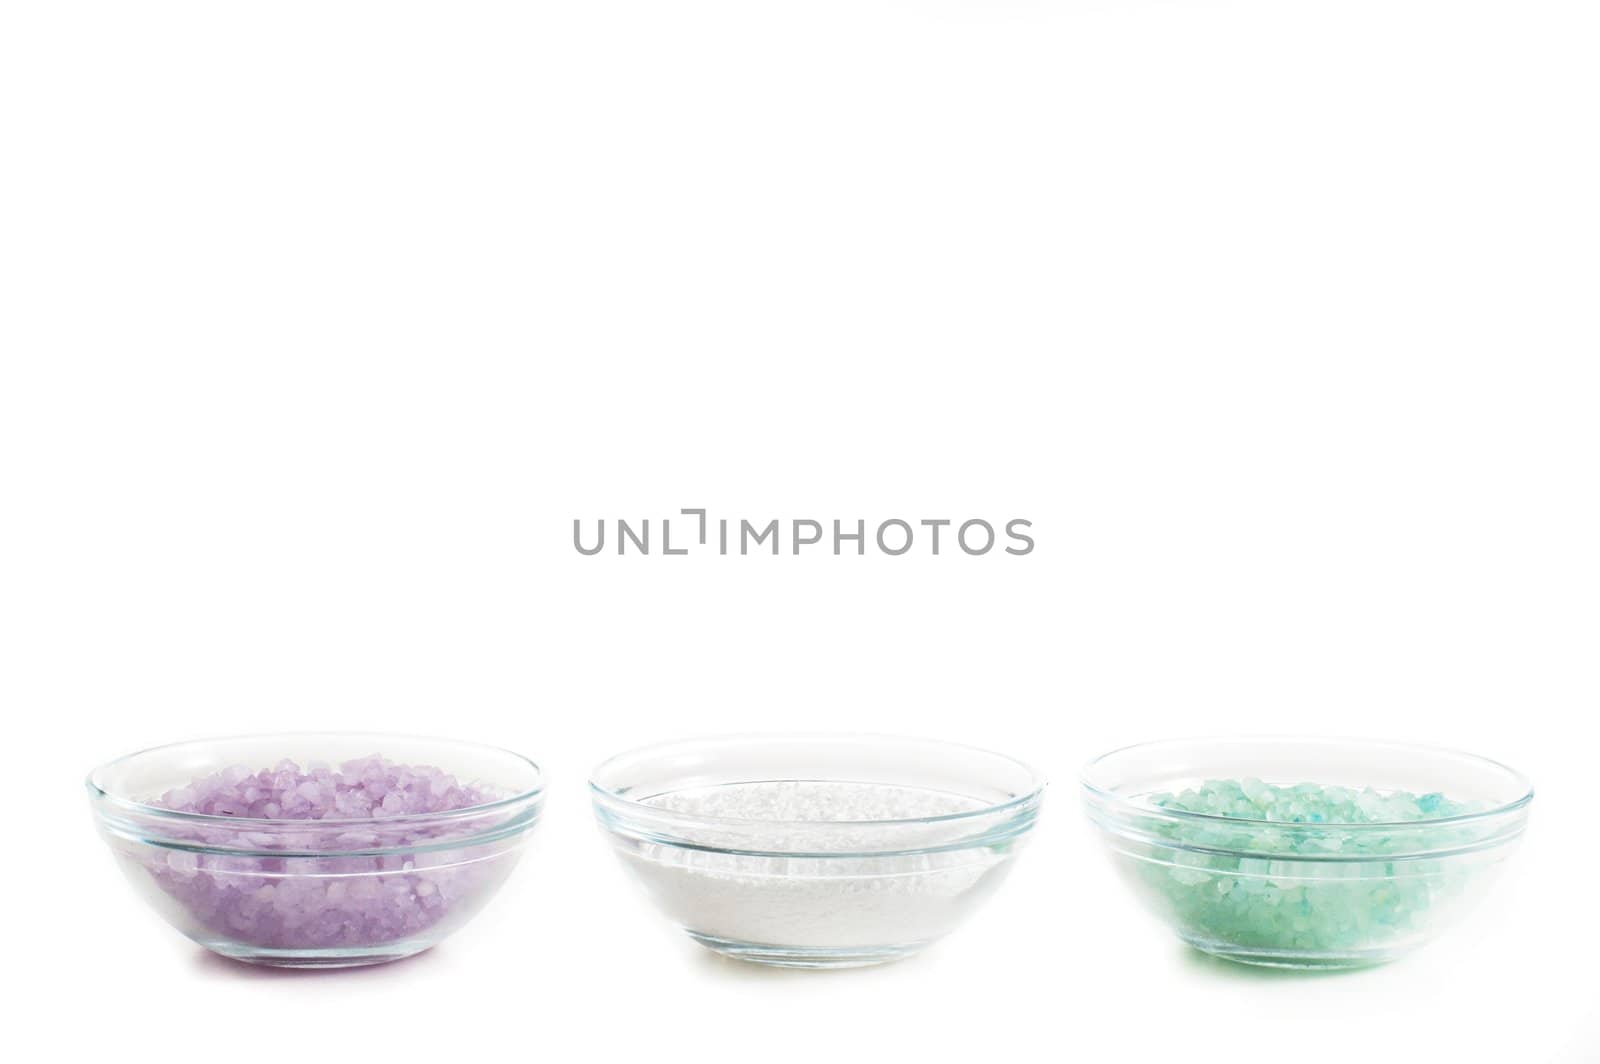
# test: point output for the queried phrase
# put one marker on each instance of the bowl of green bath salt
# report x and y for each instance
(1306, 853)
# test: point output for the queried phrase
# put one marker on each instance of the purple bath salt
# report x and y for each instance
(366, 787)
(326, 858)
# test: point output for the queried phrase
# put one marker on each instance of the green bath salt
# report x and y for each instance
(1306, 874)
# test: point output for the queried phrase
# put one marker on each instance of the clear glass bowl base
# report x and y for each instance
(806, 956)
(1292, 959)
(317, 958)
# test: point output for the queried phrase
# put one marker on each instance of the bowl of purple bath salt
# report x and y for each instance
(317, 850)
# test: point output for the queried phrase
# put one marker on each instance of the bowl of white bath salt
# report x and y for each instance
(816, 851)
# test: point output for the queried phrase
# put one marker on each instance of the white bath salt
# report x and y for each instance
(811, 801)
(861, 899)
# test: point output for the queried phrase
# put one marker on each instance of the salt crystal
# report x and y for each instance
(1292, 904)
(840, 902)
(313, 903)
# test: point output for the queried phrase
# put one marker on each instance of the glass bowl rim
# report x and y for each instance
(100, 795)
(1121, 802)
(1036, 780)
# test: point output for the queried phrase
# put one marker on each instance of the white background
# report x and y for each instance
(322, 321)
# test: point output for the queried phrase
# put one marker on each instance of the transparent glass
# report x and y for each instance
(315, 893)
(816, 851)
(1305, 895)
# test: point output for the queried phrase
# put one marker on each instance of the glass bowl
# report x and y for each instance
(317, 893)
(1274, 878)
(816, 851)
